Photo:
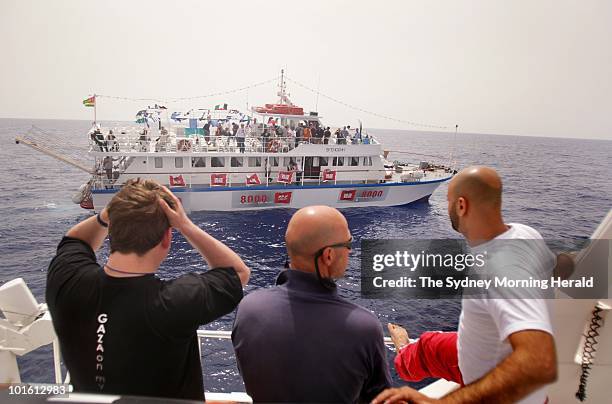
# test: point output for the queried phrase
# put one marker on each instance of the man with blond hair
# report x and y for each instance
(121, 329)
(300, 341)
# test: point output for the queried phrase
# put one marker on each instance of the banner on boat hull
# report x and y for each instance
(363, 195)
(252, 199)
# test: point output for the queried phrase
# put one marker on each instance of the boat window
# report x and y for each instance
(254, 161)
(367, 161)
(354, 161)
(323, 161)
(159, 162)
(198, 161)
(236, 161)
(273, 161)
(217, 161)
(338, 161)
(178, 162)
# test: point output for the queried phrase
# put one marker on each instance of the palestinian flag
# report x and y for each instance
(90, 102)
(220, 107)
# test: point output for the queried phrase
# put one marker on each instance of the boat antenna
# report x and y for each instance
(451, 164)
(284, 96)
(282, 87)
(317, 100)
(95, 109)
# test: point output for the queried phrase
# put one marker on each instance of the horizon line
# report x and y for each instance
(450, 131)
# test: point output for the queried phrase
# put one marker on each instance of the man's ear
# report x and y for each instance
(167, 239)
(462, 206)
(328, 256)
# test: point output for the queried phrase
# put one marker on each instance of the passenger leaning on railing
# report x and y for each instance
(504, 350)
(121, 329)
(299, 341)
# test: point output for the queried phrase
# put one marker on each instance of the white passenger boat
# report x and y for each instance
(209, 170)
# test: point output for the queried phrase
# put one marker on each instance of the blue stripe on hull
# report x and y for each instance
(287, 187)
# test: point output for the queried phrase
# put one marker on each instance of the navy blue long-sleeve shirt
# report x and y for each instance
(301, 342)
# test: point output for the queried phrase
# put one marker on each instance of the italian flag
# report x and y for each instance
(220, 107)
(90, 102)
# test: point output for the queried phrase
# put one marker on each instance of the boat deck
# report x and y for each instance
(133, 142)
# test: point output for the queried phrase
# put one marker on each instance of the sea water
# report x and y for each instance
(561, 187)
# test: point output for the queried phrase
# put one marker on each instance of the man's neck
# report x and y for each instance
(129, 265)
(302, 268)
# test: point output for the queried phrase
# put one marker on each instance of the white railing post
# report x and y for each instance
(56, 362)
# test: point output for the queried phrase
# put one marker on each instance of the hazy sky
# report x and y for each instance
(508, 67)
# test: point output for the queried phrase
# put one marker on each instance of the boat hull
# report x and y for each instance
(293, 196)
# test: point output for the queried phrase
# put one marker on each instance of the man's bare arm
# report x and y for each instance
(214, 252)
(532, 364)
(91, 231)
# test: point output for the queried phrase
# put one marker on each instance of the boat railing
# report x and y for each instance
(306, 177)
(213, 144)
(201, 335)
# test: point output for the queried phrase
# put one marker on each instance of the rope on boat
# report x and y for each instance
(412, 123)
(261, 83)
(416, 154)
(49, 144)
(171, 100)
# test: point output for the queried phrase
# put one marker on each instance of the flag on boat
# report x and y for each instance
(220, 107)
(329, 175)
(285, 177)
(218, 180)
(177, 181)
(90, 102)
(147, 116)
(253, 179)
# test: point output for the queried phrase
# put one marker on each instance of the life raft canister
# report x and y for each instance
(80, 194)
(87, 202)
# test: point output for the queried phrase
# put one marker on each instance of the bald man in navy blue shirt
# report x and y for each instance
(299, 341)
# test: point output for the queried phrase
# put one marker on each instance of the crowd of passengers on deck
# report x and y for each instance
(252, 136)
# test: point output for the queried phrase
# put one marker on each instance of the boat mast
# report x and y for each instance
(284, 97)
(281, 93)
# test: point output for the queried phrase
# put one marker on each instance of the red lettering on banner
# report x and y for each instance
(177, 181)
(329, 175)
(282, 197)
(218, 179)
(348, 195)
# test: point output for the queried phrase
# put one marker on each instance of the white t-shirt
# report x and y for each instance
(485, 324)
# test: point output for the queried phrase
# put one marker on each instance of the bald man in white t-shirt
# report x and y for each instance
(504, 348)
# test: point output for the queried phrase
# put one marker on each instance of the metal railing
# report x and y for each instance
(201, 335)
(212, 143)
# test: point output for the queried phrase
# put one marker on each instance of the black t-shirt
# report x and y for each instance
(134, 335)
